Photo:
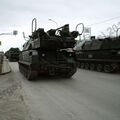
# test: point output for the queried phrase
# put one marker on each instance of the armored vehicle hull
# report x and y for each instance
(46, 53)
(100, 55)
(33, 63)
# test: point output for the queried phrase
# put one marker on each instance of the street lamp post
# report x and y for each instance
(54, 22)
(15, 32)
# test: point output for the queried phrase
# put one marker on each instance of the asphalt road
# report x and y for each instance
(88, 95)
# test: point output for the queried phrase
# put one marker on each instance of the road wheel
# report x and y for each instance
(79, 65)
(115, 67)
(82, 65)
(99, 67)
(108, 68)
(87, 66)
(92, 66)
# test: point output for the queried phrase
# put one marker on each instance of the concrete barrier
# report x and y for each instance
(1, 60)
(1, 57)
(5, 68)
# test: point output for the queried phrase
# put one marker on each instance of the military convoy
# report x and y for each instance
(13, 54)
(53, 53)
(100, 54)
(48, 53)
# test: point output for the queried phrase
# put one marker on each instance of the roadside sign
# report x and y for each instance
(15, 32)
(87, 33)
(87, 30)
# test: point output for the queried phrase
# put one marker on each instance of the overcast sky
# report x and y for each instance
(17, 15)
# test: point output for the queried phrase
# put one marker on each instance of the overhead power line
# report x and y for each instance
(104, 21)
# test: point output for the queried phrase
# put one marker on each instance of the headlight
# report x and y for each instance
(118, 52)
(43, 54)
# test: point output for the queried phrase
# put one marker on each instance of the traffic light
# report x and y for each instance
(0, 43)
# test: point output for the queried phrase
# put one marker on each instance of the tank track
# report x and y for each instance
(71, 72)
(27, 71)
(31, 74)
(100, 67)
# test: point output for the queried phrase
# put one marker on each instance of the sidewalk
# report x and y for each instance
(5, 67)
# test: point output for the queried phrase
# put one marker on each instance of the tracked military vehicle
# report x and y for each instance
(100, 55)
(13, 54)
(48, 53)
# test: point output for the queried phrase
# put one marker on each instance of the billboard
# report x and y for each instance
(87, 30)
